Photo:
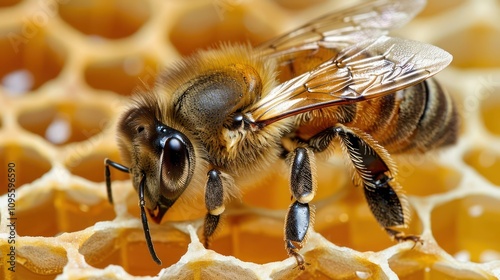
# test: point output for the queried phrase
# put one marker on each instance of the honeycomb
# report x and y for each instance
(67, 69)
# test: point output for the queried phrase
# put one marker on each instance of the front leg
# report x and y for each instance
(303, 188)
(214, 202)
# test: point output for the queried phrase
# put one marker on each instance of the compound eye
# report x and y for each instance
(176, 165)
(175, 160)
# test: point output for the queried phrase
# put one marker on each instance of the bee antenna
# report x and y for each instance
(107, 175)
(144, 220)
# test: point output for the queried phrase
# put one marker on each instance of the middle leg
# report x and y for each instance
(299, 218)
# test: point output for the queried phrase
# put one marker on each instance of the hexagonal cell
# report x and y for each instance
(40, 258)
(7, 3)
(421, 174)
(81, 208)
(486, 162)
(123, 76)
(29, 59)
(26, 163)
(127, 247)
(168, 252)
(91, 167)
(39, 205)
(252, 238)
(468, 228)
(414, 265)
(60, 211)
(475, 47)
(64, 123)
(204, 27)
(108, 19)
(99, 248)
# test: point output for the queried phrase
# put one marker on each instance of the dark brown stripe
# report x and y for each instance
(410, 105)
(437, 124)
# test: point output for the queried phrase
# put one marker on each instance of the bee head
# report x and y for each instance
(162, 154)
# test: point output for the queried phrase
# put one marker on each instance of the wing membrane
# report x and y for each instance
(363, 71)
(344, 28)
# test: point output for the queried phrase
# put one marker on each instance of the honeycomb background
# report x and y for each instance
(66, 70)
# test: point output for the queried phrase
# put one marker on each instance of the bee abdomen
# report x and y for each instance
(426, 118)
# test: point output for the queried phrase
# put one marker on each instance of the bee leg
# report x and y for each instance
(144, 219)
(214, 202)
(387, 208)
(107, 175)
(384, 202)
(303, 188)
(297, 223)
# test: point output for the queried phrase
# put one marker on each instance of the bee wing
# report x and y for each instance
(344, 28)
(363, 71)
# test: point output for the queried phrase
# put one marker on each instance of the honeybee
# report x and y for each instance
(215, 123)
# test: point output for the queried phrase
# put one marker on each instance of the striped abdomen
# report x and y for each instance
(418, 118)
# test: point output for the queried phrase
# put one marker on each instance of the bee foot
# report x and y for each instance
(401, 237)
(415, 238)
(300, 260)
(293, 252)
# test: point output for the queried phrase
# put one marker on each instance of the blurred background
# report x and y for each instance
(67, 68)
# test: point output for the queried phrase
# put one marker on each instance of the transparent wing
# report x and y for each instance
(363, 71)
(344, 28)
